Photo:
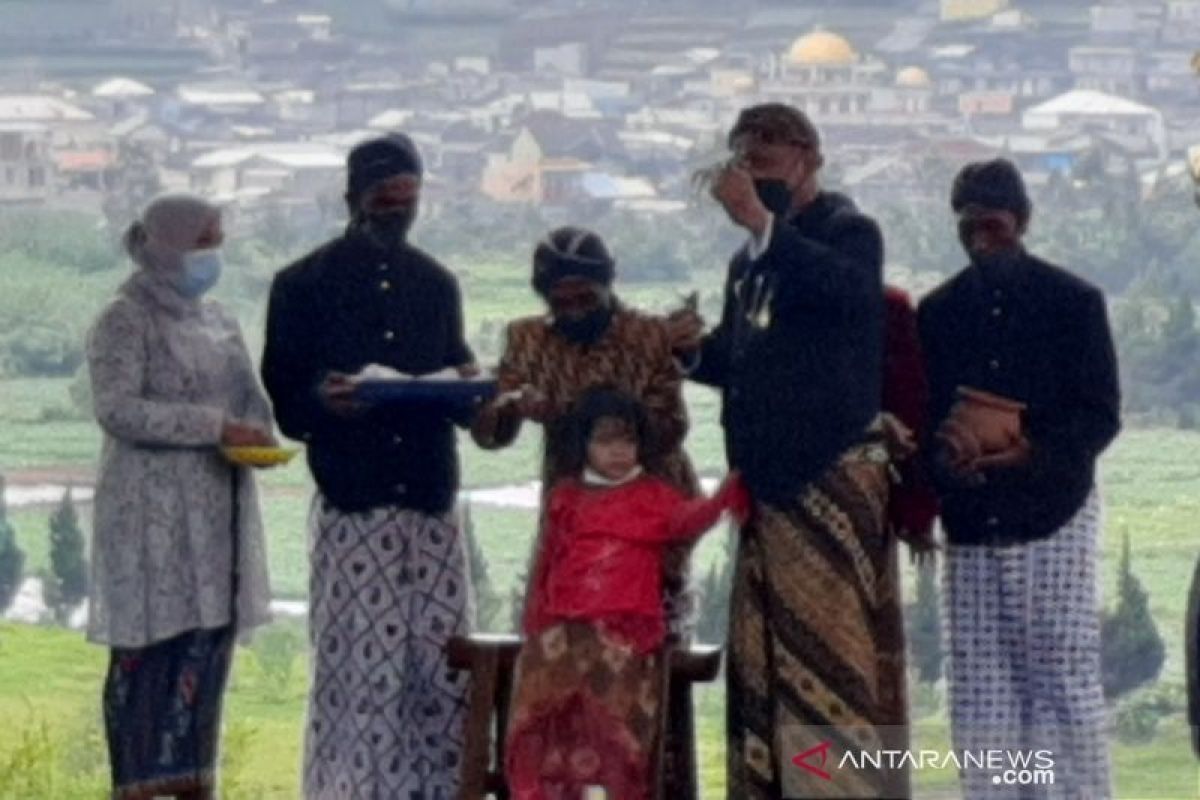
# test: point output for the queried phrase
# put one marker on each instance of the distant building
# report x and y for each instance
(568, 58)
(26, 168)
(1105, 69)
(287, 168)
(70, 126)
(1140, 128)
(824, 76)
(965, 10)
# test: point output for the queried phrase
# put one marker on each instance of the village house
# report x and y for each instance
(27, 172)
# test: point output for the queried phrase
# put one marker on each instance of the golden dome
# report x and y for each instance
(913, 78)
(821, 48)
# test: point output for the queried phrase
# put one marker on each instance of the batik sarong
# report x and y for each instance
(1024, 668)
(389, 587)
(816, 643)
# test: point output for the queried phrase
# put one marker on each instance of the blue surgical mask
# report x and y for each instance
(201, 271)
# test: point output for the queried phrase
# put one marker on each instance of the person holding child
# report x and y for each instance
(590, 676)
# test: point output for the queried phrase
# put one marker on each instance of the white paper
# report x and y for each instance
(379, 372)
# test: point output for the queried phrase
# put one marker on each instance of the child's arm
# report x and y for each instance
(693, 517)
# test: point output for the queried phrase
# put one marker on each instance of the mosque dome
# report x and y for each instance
(821, 48)
(913, 78)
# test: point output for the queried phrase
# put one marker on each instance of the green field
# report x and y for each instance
(50, 678)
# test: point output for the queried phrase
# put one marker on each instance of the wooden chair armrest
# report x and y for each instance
(700, 663)
(464, 651)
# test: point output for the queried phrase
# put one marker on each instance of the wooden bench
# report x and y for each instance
(491, 660)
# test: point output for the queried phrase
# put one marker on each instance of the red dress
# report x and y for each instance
(589, 677)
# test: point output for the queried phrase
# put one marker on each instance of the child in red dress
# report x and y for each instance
(591, 673)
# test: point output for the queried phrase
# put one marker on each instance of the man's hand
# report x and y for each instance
(1015, 456)
(685, 329)
(898, 437)
(337, 395)
(958, 443)
(734, 189)
(528, 402)
(958, 450)
(468, 371)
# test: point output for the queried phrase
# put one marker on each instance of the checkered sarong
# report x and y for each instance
(1024, 669)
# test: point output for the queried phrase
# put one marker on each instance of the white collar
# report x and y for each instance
(593, 478)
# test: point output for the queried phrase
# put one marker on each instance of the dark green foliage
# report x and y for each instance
(68, 562)
(1132, 649)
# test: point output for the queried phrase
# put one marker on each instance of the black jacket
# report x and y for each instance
(1039, 335)
(337, 309)
(798, 353)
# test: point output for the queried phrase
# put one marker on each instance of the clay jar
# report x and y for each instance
(993, 421)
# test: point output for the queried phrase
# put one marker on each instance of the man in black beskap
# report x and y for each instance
(1021, 519)
(815, 638)
(388, 583)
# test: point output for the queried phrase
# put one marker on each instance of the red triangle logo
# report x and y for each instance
(821, 750)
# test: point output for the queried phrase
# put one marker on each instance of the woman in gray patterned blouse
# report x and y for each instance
(172, 383)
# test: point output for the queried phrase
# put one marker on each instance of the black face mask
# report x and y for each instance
(388, 230)
(775, 194)
(586, 329)
(999, 263)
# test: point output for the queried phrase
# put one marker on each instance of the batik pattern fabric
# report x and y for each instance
(388, 588)
(816, 643)
(587, 711)
(162, 714)
(633, 356)
(1024, 668)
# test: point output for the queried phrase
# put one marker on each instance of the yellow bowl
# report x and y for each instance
(260, 456)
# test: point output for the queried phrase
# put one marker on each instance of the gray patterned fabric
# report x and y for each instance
(166, 372)
(1024, 669)
(388, 588)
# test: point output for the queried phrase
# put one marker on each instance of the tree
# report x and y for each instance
(68, 564)
(12, 560)
(487, 600)
(1132, 651)
(925, 625)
